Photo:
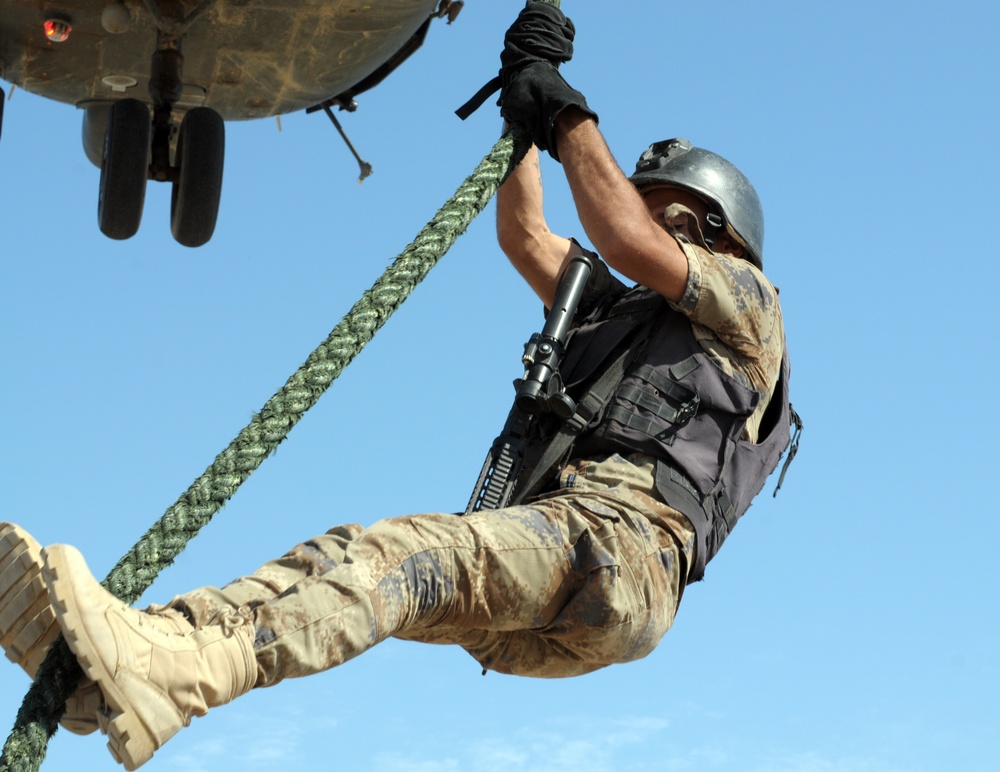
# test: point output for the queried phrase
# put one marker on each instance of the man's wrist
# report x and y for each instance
(569, 121)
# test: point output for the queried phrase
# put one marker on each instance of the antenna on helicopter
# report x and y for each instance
(350, 105)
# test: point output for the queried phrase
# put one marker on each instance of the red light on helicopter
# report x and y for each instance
(57, 30)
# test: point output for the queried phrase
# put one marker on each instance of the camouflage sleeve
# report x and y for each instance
(733, 299)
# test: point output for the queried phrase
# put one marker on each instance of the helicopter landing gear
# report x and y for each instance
(124, 168)
(138, 148)
(194, 201)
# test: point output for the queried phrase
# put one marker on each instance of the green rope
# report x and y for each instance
(57, 677)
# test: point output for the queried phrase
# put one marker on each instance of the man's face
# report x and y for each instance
(659, 197)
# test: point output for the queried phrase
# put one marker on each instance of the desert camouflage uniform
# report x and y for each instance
(735, 316)
(587, 575)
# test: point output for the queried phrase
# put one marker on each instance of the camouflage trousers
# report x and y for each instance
(568, 584)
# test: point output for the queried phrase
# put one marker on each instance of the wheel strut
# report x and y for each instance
(137, 149)
(165, 89)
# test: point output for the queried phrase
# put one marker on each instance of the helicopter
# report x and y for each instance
(157, 79)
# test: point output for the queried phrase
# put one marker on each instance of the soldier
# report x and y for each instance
(585, 572)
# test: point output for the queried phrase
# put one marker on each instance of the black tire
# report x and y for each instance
(200, 154)
(124, 169)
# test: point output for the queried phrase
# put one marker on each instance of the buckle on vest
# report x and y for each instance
(688, 409)
(726, 508)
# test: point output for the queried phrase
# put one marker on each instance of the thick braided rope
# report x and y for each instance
(44, 704)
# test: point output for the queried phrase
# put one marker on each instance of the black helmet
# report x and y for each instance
(676, 162)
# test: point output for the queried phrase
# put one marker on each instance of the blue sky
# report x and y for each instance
(849, 624)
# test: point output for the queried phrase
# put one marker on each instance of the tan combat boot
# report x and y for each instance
(153, 682)
(28, 623)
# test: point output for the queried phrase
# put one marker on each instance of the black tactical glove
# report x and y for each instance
(541, 33)
(534, 96)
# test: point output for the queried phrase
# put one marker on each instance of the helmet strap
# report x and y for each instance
(713, 224)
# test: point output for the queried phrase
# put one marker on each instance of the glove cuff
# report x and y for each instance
(535, 96)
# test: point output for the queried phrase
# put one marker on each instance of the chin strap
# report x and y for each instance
(713, 224)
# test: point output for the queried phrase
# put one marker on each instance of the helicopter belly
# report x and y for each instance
(244, 59)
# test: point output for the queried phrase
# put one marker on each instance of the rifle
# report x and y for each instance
(537, 392)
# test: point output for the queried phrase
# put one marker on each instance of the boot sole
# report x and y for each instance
(28, 624)
(129, 740)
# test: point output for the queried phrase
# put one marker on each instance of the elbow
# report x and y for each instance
(515, 247)
(515, 239)
(508, 241)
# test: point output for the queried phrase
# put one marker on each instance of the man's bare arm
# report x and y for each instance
(538, 254)
(612, 213)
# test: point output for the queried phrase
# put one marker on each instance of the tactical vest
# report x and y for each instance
(676, 405)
